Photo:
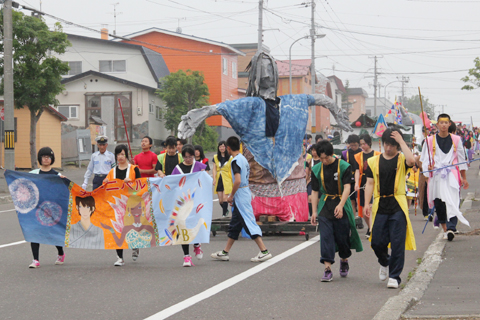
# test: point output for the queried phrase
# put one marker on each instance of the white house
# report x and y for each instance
(104, 72)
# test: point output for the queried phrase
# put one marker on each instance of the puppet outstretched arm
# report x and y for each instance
(190, 121)
(340, 115)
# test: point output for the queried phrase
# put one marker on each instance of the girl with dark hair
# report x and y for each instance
(189, 165)
(45, 158)
(126, 172)
(222, 176)
(200, 157)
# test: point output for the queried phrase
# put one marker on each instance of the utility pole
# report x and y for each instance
(312, 70)
(260, 25)
(9, 122)
(403, 80)
(375, 87)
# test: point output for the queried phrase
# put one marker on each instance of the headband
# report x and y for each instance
(443, 119)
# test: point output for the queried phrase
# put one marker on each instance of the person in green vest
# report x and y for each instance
(336, 222)
(169, 160)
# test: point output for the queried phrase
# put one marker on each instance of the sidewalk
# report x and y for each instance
(454, 292)
(446, 284)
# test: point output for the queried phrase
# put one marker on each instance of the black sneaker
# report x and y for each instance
(367, 235)
(344, 268)
(450, 235)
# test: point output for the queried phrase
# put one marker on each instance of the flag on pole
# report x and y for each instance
(380, 126)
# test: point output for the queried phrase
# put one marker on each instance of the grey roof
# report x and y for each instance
(154, 60)
(357, 91)
(109, 77)
(241, 46)
(156, 64)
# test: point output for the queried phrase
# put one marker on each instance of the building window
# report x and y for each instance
(70, 112)
(150, 108)
(234, 70)
(112, 66)
(225, 66)
(158, 113)
(75, 67)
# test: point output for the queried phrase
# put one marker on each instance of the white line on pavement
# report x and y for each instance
(170, 311)
(7, 210)
(12, 244)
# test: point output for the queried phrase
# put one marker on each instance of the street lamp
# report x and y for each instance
(318, 36)
(385, 88)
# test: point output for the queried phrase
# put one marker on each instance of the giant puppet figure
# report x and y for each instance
(271, 129)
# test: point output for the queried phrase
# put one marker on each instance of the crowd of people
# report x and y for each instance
(367, 184)
(342, 190)
(230, 183)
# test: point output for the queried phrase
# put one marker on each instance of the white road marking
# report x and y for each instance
(12, 244)
(170, 311)
(13, 210)
(215, 200)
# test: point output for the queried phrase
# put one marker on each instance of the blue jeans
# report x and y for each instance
(390, 228)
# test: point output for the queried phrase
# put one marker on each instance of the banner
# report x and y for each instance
(144, 213)
(380, 126)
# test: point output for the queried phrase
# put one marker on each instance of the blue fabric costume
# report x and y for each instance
(247, 118)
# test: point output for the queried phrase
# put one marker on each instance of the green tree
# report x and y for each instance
(206, 136)
(473, 76)
(182, 91)
(37, 75)
(412, 104)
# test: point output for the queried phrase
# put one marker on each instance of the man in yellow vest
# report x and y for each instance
(169, 160)
(390, 222)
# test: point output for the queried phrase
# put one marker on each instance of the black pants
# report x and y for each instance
(237, 224)
(334, 233)
(120, 253)
(425, 201)
(390, 228)
(98, 180)
(441, 209)
(186, 248)
(36, 250)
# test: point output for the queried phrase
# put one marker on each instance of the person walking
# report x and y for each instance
(222, 176)
(100, 164)
(241, 201)
(390, 223)
(46, 158)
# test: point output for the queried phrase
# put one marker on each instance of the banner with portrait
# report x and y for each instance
(144, 213)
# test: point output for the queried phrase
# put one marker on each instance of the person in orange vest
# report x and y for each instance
(360, 178)
(126, 172)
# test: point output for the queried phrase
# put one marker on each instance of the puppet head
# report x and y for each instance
(263, 76)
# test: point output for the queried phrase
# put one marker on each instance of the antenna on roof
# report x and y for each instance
(115, 13)
(179, 29)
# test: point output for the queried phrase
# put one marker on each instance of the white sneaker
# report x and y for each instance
(119, 262)
(219, 255)
(383, 273)
(35, 264)
(187, 261)
(198, 252)
(445, 236)
(392, 283)
(260, 257)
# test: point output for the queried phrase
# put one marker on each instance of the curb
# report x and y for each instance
(418, 284)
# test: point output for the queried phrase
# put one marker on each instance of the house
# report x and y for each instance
(107, 77)
(48, 134)
(335, 90)
(383, 105)
(356, 102)
(217, 61)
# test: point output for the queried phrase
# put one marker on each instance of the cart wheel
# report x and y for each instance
(214, 233)
(307, 236)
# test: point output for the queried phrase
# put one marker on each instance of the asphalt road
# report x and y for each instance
(89, 286)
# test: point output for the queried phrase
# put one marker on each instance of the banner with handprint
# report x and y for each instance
(144, 213)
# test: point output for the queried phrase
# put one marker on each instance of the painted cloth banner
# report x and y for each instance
(144, 213)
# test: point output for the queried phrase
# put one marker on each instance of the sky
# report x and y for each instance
(432, 42)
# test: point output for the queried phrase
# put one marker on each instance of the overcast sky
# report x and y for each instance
(427, 40)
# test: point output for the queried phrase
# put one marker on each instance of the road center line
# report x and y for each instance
(170, 311)
(12, 244)
(7, 210)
